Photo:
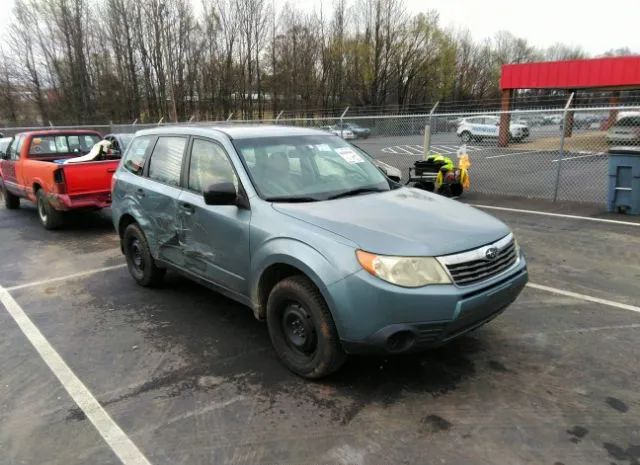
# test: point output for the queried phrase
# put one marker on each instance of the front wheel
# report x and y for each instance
(466, 137)
(11, 202)
(302, 330)
(49, 217)
(140, 262)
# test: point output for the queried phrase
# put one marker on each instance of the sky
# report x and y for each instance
(597, 26)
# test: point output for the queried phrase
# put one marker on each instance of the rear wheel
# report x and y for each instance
(466, 137)
(11, 202)
(49, 217)
(140, 262)
(302, 330)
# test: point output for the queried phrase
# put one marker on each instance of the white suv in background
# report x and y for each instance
(476, 128)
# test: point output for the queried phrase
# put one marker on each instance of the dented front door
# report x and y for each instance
(214, 238)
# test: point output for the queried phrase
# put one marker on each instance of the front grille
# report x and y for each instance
(481, 268)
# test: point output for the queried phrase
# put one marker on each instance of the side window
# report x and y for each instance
(137, 154)
(14, 149)
(209, 165)
(166, 160)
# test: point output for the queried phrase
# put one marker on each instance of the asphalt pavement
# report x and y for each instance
(190, 377)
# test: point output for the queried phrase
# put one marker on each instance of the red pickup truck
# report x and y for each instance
(33, 167)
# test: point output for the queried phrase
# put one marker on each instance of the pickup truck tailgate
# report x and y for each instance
(89, 177)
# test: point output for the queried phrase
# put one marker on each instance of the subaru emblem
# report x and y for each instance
(491, 253)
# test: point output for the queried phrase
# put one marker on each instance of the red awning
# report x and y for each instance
(573, 74)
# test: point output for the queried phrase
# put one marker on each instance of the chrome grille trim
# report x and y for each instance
(472, 267)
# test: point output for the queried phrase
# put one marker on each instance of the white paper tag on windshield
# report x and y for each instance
(323, 148)
(349, 155)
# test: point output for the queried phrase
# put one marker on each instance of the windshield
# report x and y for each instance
(628, 122)
(308, 168)
(62, 144)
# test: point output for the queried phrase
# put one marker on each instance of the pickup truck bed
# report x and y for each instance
(34, 170)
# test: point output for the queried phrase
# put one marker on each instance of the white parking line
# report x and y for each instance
(400, 147)
(116, 439)
(560, 215)
(64, 278)
(514, 154)
(584, 297)
(579, 156)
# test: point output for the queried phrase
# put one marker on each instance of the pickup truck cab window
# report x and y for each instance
(209, 165)
(62, 144)
(166, 160)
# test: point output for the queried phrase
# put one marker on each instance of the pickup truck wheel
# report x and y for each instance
(302, 330)
(11, 202)
(49, 216)
(140, 262)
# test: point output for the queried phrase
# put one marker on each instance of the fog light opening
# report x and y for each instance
(400, 341)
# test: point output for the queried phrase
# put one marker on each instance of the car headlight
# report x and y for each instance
(404, 271)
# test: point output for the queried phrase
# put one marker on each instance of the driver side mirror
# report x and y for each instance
(224, 193)
(4, 155)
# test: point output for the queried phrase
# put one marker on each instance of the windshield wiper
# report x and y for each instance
(291, 199)
(358, 191)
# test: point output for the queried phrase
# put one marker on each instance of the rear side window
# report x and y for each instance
(136, 156)
(166, 160)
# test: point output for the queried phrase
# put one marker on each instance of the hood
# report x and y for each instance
(404, 221)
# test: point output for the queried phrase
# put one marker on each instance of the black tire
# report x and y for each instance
(140, 262)
(11, 202)
(49, 217)
(466, 137)
(302, 330)
(456, 190)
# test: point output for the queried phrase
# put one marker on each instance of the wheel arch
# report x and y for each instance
(294, 258)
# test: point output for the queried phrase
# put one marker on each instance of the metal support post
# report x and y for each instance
(341, 118)
(561, 157)
(427, 132)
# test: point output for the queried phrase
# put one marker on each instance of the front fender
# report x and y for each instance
(322, 268)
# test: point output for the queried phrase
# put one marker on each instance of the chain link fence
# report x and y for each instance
(552, 154)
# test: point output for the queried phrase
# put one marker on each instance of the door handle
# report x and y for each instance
(111, 170)
(188, 208)
(140, 193)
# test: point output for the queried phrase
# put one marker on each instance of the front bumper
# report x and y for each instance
(374, 316)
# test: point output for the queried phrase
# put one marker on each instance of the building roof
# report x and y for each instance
(614, 72)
